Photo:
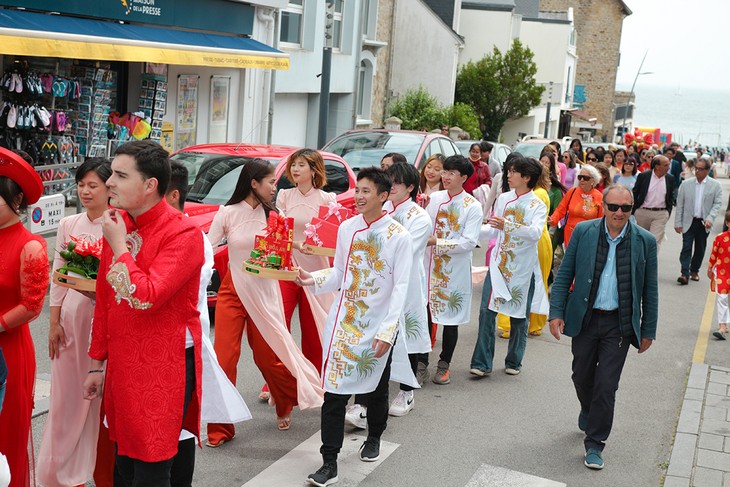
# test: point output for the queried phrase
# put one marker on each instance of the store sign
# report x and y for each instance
(210, 15)
(45, 215)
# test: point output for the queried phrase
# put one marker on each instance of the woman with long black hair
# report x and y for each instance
(255, 305)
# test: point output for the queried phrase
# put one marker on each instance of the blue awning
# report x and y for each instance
(35, 34)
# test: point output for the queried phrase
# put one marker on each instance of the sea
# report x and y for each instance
(690, 114)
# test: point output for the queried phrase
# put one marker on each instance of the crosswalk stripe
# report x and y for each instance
(489, 475)
(293, 468)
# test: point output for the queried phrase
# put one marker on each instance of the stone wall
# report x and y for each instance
(598, 26)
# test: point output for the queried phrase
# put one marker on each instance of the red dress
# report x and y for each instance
(143, 307)
(720, 261)
(24, 274)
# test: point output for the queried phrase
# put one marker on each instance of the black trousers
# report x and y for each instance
(599, 354)
(697, 235)
(333, 414)
(132, 472)
(413, 359)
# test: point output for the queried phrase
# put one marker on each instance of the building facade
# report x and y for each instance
(599, 24)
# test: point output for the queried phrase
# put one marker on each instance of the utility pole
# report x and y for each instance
(631, 94)
(547, 112)
(324, 92)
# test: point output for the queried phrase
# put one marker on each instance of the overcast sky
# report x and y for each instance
(688, 43)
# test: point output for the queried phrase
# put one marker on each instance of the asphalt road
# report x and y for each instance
(526, 423)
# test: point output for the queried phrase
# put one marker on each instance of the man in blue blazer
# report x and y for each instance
(613, 303)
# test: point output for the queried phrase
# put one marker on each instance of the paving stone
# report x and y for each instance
(726, 479)
(711, 442)
(697, 376)
(712, 459)
(689, 417)
(716, 427)
(671, 481)
(721, 377)
(715, 400)
(716, 388)
(698, 394)
(717, 367)
(715, 412)
(683, 455)
(705, 477)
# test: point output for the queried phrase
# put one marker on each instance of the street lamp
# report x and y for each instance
(631, 93)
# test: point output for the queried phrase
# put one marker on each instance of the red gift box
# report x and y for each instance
(334, 213)
(321, 237)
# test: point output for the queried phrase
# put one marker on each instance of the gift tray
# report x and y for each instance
(74, 282)
(268, 273)
(316, 250)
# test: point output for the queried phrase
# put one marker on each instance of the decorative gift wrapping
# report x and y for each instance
(321, 232)
(271, 255)
(334, 213)
(321, 237)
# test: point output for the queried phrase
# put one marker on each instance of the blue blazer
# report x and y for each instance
(579, 263)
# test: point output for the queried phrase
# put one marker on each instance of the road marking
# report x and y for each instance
(491, 476)
(293, 468)
(703, 335)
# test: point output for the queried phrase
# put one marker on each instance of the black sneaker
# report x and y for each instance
(326, 475)
(370, 450)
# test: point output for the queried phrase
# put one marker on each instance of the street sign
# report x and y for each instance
(45, 215)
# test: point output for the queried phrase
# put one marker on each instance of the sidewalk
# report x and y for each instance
(701, 452)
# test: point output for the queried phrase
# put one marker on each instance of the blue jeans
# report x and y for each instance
(483, 355)
(2, 395)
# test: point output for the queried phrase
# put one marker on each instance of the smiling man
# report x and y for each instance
(614, 303)
(146, 314)
(372, 266)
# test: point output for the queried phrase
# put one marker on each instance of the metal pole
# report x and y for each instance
(631, 93)
(547, 112)
(324, 96)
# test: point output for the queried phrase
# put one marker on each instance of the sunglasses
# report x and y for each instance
(592, 159)
(583, 177)
(615, 207)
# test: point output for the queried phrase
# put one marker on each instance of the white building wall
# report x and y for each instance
(549, 42)
(290, 127)
(302, 77)
(425, 52)
(482, 30)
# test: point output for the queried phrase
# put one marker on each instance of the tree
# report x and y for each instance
(463, 116)
(418, 110)
(500, 87)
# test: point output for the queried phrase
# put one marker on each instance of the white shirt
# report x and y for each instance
(699, 192)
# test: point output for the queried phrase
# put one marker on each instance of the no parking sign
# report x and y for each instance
(45, 215)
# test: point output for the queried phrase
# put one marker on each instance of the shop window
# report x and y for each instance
(291, 24)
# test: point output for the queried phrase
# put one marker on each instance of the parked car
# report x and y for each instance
(365, 148)
(531, 147)
(214, 170)
(499, 152)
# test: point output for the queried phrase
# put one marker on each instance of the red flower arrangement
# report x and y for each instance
(81, 257)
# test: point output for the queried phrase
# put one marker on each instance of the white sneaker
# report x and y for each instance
(357, 416)
(4, 471)
(402, 404)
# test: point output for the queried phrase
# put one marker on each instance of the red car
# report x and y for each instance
(213, 173)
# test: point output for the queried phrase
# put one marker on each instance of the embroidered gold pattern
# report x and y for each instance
(118, 278)
(134, 243)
